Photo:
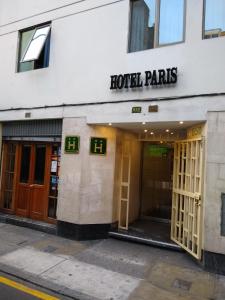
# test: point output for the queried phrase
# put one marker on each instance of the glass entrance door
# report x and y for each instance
(157, 169)
(32, 186)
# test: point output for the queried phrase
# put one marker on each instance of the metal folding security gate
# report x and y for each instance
(187, 196)
(125, 186)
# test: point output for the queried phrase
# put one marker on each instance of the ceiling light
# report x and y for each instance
(167, 130)
(171, 133)
(152, 133)
(181, 122)
(145, 130)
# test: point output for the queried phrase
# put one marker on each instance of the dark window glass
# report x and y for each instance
(39, 172)
(142, 31)
(52, 208)
(25, 163)
(25, 38)
(171, 23)
(214, 19)
(149, 29)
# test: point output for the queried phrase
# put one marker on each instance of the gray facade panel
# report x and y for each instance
(34, 128)
(223, 215)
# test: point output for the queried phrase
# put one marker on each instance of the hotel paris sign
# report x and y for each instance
(161, 77)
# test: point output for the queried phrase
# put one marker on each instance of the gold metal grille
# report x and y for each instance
(125, 186)
(187, 196)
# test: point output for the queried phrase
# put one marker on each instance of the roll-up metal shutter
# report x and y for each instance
(33, 130)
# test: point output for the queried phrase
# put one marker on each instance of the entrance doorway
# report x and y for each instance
(155, 192)
(156, 180)
(32, 180)
(29, 186)
(170, 194)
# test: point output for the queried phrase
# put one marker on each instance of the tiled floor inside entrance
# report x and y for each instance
(151, 230)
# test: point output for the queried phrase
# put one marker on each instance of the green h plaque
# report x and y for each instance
(72, 144)
(98, 146)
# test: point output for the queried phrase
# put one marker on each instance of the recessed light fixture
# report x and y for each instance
(145, 130)
(152, 133)
(181, 122)
(167, 130)
(143, 123)
(110, 124)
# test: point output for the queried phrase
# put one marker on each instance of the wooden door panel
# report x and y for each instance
(33, 175)
(23, 200)
(38, 200)
(40, 181)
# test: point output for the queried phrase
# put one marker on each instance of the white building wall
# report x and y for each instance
(86, 181)
(215, 182)
(89, 43)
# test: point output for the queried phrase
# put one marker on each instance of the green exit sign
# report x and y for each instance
(72, 144)
(98, 145)
(158, 151)
(136, 109)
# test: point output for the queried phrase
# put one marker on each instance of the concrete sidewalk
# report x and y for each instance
(106, 269)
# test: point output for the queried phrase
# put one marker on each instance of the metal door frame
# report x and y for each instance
(124, 197)
(186, 219)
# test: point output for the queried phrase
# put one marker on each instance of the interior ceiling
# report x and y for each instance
(155, 126)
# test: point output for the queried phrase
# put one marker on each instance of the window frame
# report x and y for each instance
(30, 42)
(19, 54)
(156, 29)
(203, 24)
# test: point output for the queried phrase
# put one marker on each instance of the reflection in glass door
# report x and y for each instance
(39, 171)
(25, 163)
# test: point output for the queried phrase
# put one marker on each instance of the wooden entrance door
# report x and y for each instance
(187, 196)
(32, 180)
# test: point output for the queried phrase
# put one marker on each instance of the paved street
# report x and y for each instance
(9, 293)
(106, 269)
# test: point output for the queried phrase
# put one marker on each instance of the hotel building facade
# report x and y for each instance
(113, 120)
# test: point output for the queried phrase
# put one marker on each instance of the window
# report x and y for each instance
(34, 48)
(156, 23)
(214, 23)
(8, 178)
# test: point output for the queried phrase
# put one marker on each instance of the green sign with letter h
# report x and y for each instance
(72, 144)
(98, 145)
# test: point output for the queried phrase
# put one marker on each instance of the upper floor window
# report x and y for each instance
(214, 24)
(34, 48)
(156, 23)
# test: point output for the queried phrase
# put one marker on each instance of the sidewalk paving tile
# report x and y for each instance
(92, 280)
(30, 260)
(170, 277)
(58, 246)
(148, 291)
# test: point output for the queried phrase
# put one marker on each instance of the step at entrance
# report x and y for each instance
(148, 241)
